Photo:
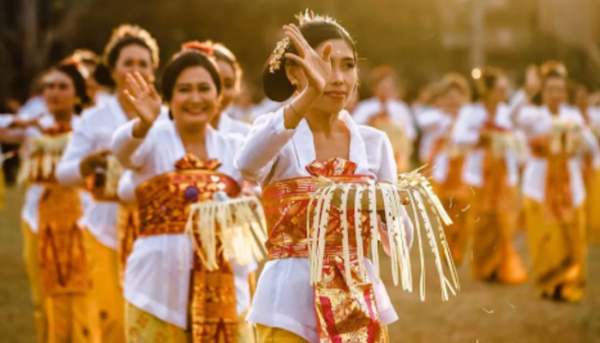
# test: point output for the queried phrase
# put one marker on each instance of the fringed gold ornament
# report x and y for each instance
(235, 228)
(43, 156)
(412, 192)
(113, 175)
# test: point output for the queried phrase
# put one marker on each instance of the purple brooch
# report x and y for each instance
(191, 193)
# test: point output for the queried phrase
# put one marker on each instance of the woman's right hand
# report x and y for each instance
(316, 68)
(144, 99)
(93, 161)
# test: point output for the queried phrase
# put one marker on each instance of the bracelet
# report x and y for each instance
(294, 111)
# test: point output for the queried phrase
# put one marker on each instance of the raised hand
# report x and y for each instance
(316, 68)
(144, 98)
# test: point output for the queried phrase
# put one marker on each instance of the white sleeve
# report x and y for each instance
(466, 128)
(131, 152)
(258, 154)
(362, 113)
(388, 171)
(401, 113)
(428, 120)
(6, 120)
(80, 145)
(525, 118)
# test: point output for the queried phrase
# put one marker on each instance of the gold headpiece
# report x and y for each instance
(303, 18)
(127, 30)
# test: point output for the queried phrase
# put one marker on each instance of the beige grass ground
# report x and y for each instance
(480, 313)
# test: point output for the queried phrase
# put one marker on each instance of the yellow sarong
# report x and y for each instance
(455, 197)
(592, 187)
(558, 251)
(144, 327)
(106, 290)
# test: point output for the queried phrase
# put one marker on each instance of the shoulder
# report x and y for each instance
(371, 136)
(572, 114)
(399, 105)
(95, 115)
(232, 140)
(47, 120)
(529, 111)
(366, 104)
(240, 126)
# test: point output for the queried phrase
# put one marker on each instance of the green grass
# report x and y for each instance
(16, 310)
(480, 313)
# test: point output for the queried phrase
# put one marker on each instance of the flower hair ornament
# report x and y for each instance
(199, 46)
(76, 60)
(281, 47)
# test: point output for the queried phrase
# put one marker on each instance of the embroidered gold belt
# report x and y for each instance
(345, 304)
(163, 204)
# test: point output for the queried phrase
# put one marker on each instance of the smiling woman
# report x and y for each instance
(176, 163)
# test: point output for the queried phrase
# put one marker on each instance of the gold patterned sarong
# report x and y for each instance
(493, 218)
(345, 304)
(164, 203)
(556, 229)
(591, 177)
(62, 254)
(127, 232)
(455, 196)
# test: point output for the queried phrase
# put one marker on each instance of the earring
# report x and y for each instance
(294, 82)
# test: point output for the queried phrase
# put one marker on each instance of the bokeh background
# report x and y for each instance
(421, 39)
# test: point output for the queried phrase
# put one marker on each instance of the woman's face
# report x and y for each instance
(231, 87)
(454, 99)
(59, 92)
(132, 58)
(343, 80)
(554, 92)
(386, 89)
(195, 100)
(499, 93)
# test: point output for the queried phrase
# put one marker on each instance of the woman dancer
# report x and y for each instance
(554, 190)
(54, 254)
(304, 292)
(88, 157)
(447, 161)
(176, 163)
(492, 169)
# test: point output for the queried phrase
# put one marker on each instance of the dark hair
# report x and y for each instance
(225, 55)
(102, 76)
(487, 81)
(455, 81)
(381, 73)
(186, 59)
(553, 69)
(72, 71)
(276, 85)
(574, 87)
(126, 35)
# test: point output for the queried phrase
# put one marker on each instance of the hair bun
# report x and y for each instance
(553, 68)
(276, 85)
(202, 47)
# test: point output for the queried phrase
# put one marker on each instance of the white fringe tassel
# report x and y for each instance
(427, 212)
(242, 233)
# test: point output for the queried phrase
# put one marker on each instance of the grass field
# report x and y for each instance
(480, 313)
